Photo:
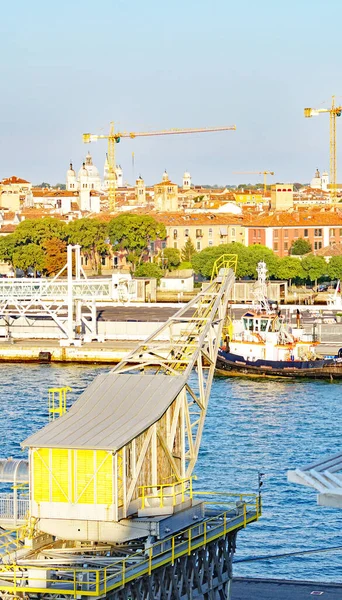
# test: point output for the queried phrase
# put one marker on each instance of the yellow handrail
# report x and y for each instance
(96, 582)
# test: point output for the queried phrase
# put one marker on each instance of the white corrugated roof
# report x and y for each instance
(113, 410)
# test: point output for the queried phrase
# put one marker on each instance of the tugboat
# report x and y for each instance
(262, 345)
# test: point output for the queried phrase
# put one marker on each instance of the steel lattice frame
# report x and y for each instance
(168, 450)
(205, 574)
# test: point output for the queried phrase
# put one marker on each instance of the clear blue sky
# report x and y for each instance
(73, 66)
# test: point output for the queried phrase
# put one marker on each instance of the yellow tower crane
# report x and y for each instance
(264, 173)
(334, 111)
(114, 138)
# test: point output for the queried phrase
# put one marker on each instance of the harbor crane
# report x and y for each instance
(264, 173)
(115, 137)
(112, 509)
(334, 111)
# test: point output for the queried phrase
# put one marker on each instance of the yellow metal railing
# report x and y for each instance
(162, 492)
(226, 262)
(57, 402)
(79, 582)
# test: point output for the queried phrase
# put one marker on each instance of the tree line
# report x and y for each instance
(40, 244)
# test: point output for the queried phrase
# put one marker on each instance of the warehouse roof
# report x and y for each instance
(114, 409)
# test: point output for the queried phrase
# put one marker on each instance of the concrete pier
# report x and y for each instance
(109, 352)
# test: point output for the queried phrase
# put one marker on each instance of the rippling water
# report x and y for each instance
(251, 425)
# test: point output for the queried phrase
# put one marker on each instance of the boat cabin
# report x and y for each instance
(260, 323)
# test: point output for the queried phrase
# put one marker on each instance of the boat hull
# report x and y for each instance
(233, 365)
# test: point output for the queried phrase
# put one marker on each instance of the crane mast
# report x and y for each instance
(334, 111)
(264, 173)
(115, 137)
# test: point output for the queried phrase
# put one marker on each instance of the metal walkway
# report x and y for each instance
(325, 476)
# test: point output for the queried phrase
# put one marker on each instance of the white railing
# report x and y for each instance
(8, 510)
(84, 289)
(28, 289)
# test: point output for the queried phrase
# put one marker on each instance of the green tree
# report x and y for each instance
(44, 184)
(300, 247)
(170, 258)
(55, 256)
(36, 231)
(184, 265)
(314, 267)
(91, 235)
(60, 186)
(203, 261)
(188, 251)
(29, 256)
(149, 270)
(258, 253)
(134, 233)
(290, 268)
(7, 247)
(335, 267)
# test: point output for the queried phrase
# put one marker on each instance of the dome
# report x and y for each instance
(186, 175)
(71, 172)
(83, 171)
(88, 169)
(165, 176)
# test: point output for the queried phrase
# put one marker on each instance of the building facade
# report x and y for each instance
(166, 195)
(14, 193)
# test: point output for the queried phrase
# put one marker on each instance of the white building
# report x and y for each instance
(320, 183)
(186, 181)
(87, 180)
(178, 281)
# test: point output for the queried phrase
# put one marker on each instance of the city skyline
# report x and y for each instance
(73, 68)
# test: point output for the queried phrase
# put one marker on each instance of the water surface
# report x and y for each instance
(251, 425)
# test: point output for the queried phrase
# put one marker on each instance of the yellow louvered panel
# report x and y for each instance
(85, 471)
(60, 475)
(104, 477)
(41, 475)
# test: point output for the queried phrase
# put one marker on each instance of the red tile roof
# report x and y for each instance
(13, 179)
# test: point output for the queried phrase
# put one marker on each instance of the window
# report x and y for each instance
(163, 245)
(296, 233)
(175, 245)
(254, 232)
(306, 233)
(210, 243)
(198, 245)
(186, 233)
(259, 233)
(332, 233)
(233, 232)
(286, 233)
(92, 186)
(152, 246)
(318, 245)
(175, 234)
(103, 260)
(318, 232)
(275, 234)
(199, 233)
(340, 232)
(275, 246)
(286, 245)
(210, 232)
